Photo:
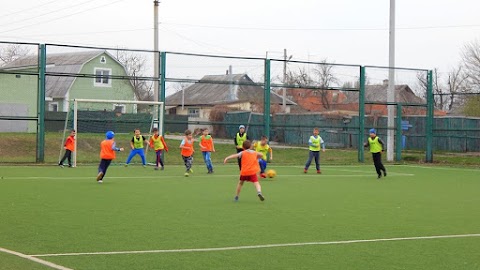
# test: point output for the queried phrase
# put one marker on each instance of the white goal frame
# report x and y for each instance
(158, 118)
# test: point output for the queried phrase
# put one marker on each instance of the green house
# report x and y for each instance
(76, 75)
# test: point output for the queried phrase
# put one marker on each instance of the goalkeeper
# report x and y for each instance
(136, 144)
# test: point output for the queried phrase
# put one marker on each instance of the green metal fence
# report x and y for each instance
(272, 97)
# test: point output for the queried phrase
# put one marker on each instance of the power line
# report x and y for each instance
(27, 9)
(58, 18)
(323, 29)
(50, 12)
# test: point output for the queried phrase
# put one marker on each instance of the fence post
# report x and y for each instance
(430, 113)
(361, 114)
(42, 60)
(266, 95)
(398, 136)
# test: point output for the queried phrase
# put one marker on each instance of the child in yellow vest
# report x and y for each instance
(376, 148)
(314, 144)
(158, 144)
(263, 148)
(137, 144)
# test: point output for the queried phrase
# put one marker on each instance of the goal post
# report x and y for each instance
(91, 118)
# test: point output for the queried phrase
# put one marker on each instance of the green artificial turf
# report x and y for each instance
(49, 210)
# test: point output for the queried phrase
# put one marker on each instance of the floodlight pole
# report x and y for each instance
(391, 84)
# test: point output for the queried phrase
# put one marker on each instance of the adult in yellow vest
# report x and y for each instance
(376, 148)
(239, 138)
(136, 144)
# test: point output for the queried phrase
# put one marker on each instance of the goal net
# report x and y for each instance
(92, 118)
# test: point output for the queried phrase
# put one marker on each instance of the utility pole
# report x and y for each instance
(155, 48)
(391, 85)
(284, 96)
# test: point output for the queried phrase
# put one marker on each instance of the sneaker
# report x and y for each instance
(126, 165)
(61, 165)
(162, 168)
(305, 170)
(262, 175)
(379, 176)
(186, 174)
(190, 170)
(260, 196)
(144, 166)
(319, 172)
(385, 173)
(99, 181)
(156, 168)
(70, 166)
(235, 199)
(99, 176)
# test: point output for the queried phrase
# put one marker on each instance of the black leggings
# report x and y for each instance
(67, 155)
(377, 161)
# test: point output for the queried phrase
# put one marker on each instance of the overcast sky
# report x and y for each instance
(430, 33)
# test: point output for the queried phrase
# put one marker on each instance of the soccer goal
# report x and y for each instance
(91, 118)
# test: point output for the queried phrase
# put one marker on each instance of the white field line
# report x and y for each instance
(444, 168)
(159, 177)
(32, 258)
(260, 246)
(389, 172)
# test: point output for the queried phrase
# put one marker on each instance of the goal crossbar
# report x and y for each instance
(159, 116)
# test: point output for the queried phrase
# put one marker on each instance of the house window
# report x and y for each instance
(194, 112)
(102, 78)
(119, 108)
(53, 107)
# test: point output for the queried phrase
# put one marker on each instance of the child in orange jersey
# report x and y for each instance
(69, 148)
(158, 144)
(249, 169)
(187, 151)
(207, 147)
(107, 154)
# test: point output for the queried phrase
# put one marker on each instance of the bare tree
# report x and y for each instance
(448, 92)
(300, 78)
(12, 52)
(457, 87)
(135, 66)
(324, 80)
(471, 63)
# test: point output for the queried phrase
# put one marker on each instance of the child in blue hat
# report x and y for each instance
(376, 148)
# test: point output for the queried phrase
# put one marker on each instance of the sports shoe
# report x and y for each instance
(262, 175)
(162, 168)
(100, 176)
(379, 176)
(126, 165)
(319, 172)
(186, 174)
(235, 199)
(384, 173)
(61, 165)
(190, 170)
(99, 181)
(305, 170)
(260, 196)
(144, 166)
(156, 168)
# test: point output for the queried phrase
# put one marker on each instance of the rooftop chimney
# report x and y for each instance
(385, 82)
